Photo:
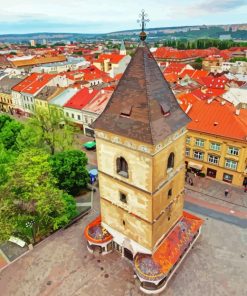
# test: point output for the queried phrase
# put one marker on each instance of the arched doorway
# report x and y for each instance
(128, 254)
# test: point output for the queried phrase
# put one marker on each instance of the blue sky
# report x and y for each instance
(80, 16)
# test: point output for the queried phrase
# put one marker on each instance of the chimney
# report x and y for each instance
(210, 101)
(188, 108)
(102, 91)
(90, 90)
(216, 123)
(237, 112)
(223, 103)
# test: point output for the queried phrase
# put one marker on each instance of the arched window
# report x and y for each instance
(170, 193)
(170, 162)
(122, 167)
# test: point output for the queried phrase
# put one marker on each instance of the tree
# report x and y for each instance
(30, 137)
(3, 120)
(198, 63)
(6, 158)
(55, 130)
(31, 205)
(69, 168)
(9, 133)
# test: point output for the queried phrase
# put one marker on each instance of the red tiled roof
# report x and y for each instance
(33, 83)
(214, 82)
(197, 74)
(171, 53)
(81, 98)
(118, 76)
(218, 119)
(185, 72)
(172, 248)
(113, 57)
(186, 100)
(171, 77)
(174, 68)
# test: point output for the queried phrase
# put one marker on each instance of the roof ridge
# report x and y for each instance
(147, 95)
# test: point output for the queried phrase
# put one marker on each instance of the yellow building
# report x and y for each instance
(6, 84)
(216, 143)
(140, 139)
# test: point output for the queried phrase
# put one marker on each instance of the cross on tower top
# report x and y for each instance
(143, 20)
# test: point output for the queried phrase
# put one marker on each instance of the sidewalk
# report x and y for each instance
(214, 191)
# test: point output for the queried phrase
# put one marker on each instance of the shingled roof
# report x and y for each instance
(143, 107)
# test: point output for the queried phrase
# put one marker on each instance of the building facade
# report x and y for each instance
(216, 144)
(217, 157)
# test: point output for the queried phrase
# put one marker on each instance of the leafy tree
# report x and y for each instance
(55, 131)
(198, 63)
(6, 157)
(31, 206)
(30, 137)
(9, 133)
(69, 168)
(236, 59)
(3, 120)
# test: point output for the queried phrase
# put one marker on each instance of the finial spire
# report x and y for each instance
(143, 20)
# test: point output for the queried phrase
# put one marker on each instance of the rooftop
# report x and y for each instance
(33, 83)
(99, 102)
(49, 92)
(113, 57)
(143, 107)
(64, 97)
(219, 119)
(81, 98)
(157, 266)
(6, 84)
(39, 60)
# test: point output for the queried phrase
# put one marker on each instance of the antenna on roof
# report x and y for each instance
(143, 20)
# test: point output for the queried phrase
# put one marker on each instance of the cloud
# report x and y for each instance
(108, 15)
(219, 5)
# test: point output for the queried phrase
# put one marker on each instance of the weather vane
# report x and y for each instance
(143, 20)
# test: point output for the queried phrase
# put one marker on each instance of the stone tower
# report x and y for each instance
(140, 140)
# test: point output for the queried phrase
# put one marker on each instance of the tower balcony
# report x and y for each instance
(99, 240)
(154, 271)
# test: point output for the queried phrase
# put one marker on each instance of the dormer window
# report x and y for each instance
(126, 111)
(122, 167)
(165, 109)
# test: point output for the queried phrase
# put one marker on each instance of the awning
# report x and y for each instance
(93, 172)
(194, 165)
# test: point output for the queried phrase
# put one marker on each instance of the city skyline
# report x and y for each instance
(81, 17)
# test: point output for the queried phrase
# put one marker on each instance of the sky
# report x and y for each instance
(81, 16)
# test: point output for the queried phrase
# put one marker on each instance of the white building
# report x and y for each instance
(238, 67)
(237, 96)
(70, 65)
(33, 43)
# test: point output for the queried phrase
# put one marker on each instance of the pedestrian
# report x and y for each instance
(226, 192)
(245, 188)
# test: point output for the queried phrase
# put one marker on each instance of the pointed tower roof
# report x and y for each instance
(143, 107)
(122, 47)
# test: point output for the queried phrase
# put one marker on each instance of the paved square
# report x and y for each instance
(62, 266)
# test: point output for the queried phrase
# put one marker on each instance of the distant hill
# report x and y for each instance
(237, 31)
(44, 35)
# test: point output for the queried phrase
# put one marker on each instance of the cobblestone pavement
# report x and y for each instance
(62, 266)
(214, 191)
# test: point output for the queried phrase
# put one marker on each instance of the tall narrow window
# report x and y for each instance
(122, 167)
(170, 162)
